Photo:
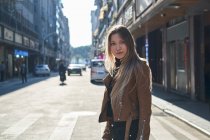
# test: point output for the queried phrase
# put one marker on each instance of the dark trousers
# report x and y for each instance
(24, 78)
(118, 130)
(2, 76)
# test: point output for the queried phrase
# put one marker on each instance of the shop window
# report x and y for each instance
(181, 56)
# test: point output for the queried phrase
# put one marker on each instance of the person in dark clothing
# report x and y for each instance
(23, 72)
(62, 72)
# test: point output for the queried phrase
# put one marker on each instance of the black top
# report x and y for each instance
(62, 68)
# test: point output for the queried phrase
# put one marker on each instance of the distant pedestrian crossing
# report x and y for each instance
(63, 127)
(18, 128)
(62, 130)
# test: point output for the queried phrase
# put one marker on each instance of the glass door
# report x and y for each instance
(172, 64)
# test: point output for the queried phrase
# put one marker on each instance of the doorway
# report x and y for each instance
(178, 79)
(207, 62)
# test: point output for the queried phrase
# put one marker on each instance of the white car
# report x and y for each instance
(42, 69)
(98, 71)
(74, 69)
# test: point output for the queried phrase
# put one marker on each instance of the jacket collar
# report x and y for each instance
(107, 80)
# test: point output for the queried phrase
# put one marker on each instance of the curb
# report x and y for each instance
(184, 120)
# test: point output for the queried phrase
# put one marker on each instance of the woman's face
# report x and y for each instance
(117, 46)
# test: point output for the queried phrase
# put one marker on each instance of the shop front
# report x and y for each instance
(150, 48)
(207, 56)
(20, 57)
(178, 59)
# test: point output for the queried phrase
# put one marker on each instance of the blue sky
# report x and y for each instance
(78, 13)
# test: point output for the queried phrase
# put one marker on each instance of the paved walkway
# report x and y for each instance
(194, 113)
(14, 80)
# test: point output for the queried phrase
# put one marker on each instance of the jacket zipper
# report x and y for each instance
(142, 131)
(120, 110)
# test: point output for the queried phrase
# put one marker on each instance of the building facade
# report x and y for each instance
(30, 34)
(18, 38)
(173, 35)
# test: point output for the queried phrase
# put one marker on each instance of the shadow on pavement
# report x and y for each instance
(62, 84)
(15, 84)
(196, 107)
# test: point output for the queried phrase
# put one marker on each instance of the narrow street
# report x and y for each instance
(45, 110)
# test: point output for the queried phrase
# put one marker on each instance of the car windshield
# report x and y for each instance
(98, 63)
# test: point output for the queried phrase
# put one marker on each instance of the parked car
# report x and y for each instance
(74, 69)
(98, 71)
(42, 69)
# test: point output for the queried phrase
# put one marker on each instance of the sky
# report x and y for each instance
(78, 13)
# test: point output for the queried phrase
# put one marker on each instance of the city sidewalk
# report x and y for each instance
(15, 80)
(194, 113)
(30, 77)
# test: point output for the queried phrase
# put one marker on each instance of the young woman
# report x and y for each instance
(126, 105)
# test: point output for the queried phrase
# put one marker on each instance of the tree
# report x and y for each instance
(81, 53)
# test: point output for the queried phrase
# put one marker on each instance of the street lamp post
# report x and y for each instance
(43, 46)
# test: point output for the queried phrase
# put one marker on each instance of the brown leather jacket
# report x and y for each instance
(135, 104)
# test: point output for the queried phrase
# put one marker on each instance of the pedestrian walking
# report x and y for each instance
(2, 71)
(126, 106)
(62, 72)
(23, 72)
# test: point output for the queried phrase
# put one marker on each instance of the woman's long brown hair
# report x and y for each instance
(128, 63)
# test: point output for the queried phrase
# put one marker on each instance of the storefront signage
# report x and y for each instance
(32, 45)
(19, 53)
(18, 38)
(25, 41)
(128, 14)
(142, 5)
(8, 34)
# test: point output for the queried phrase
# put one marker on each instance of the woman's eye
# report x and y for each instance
(112, 44)
(122, 42)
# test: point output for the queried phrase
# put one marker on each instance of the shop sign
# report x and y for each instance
(25, 41)
(20, 53)
(32, 45)
(8, 34)
(142, 5)
(128, 14)
(18, 38)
